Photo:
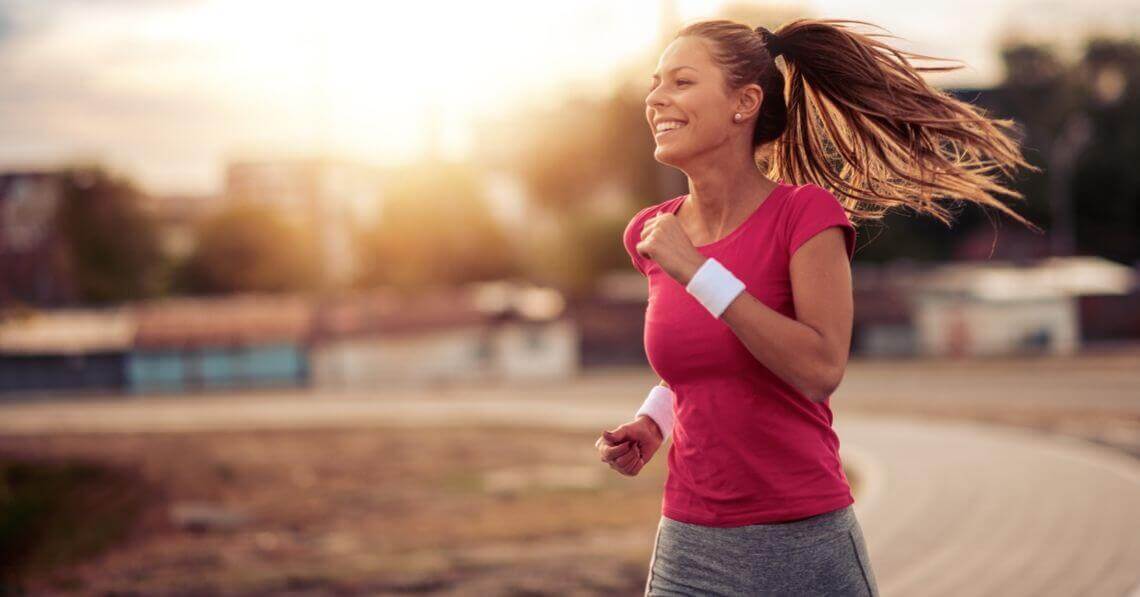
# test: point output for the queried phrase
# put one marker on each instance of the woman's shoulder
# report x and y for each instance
(808, 191)
(808, 199)
(811, 209)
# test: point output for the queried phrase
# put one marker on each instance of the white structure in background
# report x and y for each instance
(492, 331)
(376, 361)
(68, 332)
(533, 340)
(1000, 308)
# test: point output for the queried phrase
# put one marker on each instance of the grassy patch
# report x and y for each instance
(55, 513)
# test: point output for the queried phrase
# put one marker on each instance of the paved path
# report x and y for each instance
(972, 509)
(947, 508)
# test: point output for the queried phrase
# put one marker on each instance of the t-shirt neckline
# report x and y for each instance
(773, 194)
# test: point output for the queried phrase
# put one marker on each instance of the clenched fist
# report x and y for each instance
(631, 446)
(665, 241)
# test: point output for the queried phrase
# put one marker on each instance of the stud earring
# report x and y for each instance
(736, 117)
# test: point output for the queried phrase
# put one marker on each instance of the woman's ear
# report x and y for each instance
(749, 100)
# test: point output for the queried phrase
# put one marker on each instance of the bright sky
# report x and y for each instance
(167, 90)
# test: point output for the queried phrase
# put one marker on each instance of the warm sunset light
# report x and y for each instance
(171, 89)
(375, 81)
(586, 297)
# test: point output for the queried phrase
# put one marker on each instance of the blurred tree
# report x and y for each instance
(1082, 122)
(631, 146)
(434, 228)
(1106, 182)
(587, 143)
(110, 246)
(563, 156)
(577, 252)
(571, 160)
(250, 248)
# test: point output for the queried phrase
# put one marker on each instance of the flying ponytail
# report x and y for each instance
(857, 118)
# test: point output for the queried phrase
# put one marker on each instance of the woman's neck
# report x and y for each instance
(725, 193)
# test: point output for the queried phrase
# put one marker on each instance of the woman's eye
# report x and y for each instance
(683, 81)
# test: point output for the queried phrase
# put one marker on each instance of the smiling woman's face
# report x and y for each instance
(687, 91)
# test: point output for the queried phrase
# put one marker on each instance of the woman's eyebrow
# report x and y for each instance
(675, 69)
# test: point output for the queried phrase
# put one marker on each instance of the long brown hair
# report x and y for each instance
(858, 119)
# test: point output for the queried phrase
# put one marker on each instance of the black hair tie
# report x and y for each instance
(771, 41)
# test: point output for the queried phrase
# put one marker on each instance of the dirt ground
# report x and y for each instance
(497, 510)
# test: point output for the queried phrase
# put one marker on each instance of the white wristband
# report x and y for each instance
(659, 406)
(714, 286)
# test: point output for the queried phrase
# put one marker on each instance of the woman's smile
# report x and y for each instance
(666, 128)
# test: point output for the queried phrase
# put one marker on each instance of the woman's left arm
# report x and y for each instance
(809, 352)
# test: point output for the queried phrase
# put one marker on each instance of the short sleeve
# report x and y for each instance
(812, 210)
(632, 236)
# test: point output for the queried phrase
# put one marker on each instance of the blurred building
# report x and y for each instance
(65, 350)
(492, 331)
(1002, 308)
(377, 338)
(534, 335)
(884, 325)
(1110, 317)
(325, 196)
(485, 331)
(611, 322)
(234, 342)
(31, 248)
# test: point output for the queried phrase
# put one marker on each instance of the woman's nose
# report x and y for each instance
(653, 98)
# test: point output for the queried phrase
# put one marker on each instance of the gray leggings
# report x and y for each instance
(820, 555)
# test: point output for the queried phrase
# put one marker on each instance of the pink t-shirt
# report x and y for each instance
(747, 448)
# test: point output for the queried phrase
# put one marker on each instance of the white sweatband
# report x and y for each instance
(714, 286)
(659, 406)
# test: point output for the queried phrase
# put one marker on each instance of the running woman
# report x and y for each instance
(750, 307)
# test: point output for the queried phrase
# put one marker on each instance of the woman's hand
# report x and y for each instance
(665, 241)
(623, 457)
(631, 446)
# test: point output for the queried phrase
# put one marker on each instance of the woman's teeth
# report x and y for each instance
(669, 126)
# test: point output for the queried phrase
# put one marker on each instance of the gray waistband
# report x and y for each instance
(784, 535)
